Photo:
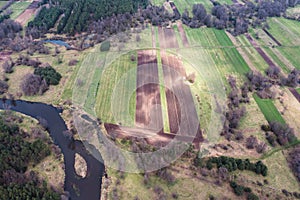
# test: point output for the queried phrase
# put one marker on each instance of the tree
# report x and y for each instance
(251, 142)
(252, 196)
(33, 84)
(49, 74)
(223, 173)
(3, 87)
(7, 67)
(261, 147)
(199, 12)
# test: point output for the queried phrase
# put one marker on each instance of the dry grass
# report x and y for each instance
(54, 94)
(16, 78)
(251, 123)
(292, 112)
(279, 175)
(50, 169)
(186, 186)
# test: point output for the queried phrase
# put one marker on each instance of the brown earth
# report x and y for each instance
(182, 34)
(183, 117)
(167, 38)
(152, 137)
(27, 14)
(148, 105)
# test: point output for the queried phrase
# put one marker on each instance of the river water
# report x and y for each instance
(87, 188)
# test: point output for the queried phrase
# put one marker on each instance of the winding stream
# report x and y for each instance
(87, 188)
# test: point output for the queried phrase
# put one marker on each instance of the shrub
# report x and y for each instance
(73, 62)
(49, 74)
(252, 196)
(105, 46)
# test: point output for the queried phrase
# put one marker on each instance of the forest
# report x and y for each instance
(76, 14)
(16, 155)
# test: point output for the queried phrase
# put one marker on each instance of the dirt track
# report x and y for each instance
(182, 113)
(148, 105)
(167, 38)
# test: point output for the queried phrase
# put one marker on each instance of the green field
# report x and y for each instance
(116, 94)
(18, 7)
(188, 4)
(229, 2)
(2, 3)
(269, 110)
(220, 48)
(274, 54)
(298, 90)
(288, 33)
(157, 2)
(258, 61)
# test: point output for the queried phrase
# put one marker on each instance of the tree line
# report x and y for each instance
(233, 164)
(74, 17)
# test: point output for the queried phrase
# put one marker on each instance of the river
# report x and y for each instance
(89, 187)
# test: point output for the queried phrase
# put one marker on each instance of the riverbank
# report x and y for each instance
(78, 188)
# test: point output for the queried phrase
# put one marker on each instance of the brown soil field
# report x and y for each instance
(182, 34)
(152, 137)
(167, 38)
(27, 14)
(148, 105)
(183, 118)
(182, 113)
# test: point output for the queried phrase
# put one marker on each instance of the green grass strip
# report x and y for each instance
(269, 110)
